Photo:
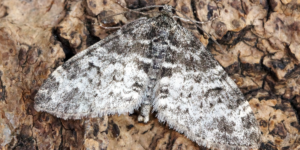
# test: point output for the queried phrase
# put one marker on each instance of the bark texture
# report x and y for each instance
(260, 51)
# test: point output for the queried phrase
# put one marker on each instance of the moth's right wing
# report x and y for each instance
(107, 78)
(195, 96)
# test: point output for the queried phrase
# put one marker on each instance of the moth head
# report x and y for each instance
(167, 10)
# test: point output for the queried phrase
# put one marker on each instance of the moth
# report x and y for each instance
(154, 63)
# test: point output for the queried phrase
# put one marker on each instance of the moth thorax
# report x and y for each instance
(159, 49)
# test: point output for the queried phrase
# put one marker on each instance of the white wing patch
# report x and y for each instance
(207, 110)
(94, 84)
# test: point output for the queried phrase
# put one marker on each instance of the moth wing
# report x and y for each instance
(106, 78)
(195, 96)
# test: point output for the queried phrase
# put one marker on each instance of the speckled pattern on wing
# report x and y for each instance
(154, 62)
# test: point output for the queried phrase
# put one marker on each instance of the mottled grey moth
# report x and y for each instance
(154, 62)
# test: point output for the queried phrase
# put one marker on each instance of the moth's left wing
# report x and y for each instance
(107, 78)
(195, 96)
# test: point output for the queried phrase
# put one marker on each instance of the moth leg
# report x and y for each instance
(145, 112)
(108, 27)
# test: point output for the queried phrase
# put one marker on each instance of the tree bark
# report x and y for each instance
(260, 51)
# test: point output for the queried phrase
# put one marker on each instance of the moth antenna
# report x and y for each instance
(193, 21)
(134, 10)
(198, 27)
(128, 10)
